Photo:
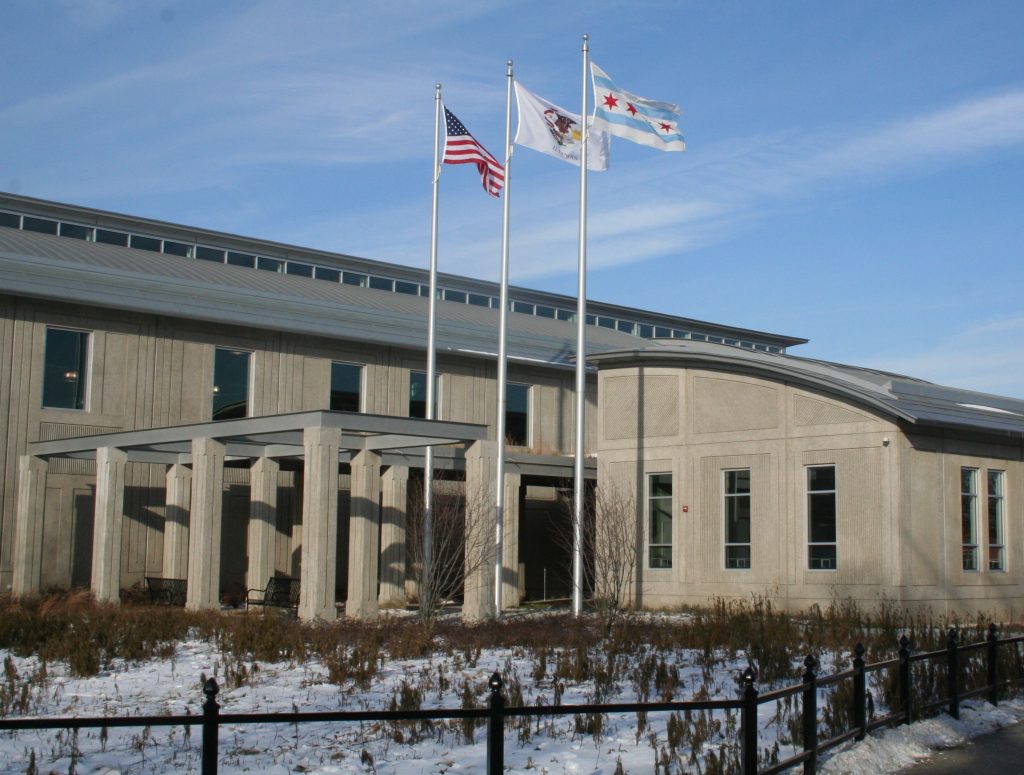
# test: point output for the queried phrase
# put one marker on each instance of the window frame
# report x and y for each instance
(997, 502)
(437, 395)
(733, 498)
(969, 521)
(250, 370)
(834, 492)
(529, 412)
(650, 500)
(85, 360)
(360, 399)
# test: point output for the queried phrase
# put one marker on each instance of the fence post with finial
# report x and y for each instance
(496, 727)
(953, 672)
(810, 715)
(860, 712)
(211, 714)
(748, 721)
(993, 663)
(905, 679)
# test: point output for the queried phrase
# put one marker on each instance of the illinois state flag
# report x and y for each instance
(625, 115)
(547, 128)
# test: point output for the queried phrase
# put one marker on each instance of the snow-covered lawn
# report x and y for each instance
(173, 687)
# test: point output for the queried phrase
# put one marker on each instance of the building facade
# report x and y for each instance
(809, 482)
(112, 325)
(181, 403)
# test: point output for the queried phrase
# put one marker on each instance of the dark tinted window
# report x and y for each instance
(64, 369)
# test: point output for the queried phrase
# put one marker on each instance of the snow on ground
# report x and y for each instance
(173, 687)
(890, 750)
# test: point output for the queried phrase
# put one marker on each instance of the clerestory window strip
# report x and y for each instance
(197, 251)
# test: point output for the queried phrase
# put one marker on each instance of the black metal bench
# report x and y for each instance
(166, 591)
(280, 592)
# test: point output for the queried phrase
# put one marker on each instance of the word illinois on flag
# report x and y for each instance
(625, 115)
(460, 147)
(547, 128)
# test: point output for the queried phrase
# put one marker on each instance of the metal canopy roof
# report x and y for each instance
(399, 441)
(912, 400)
(277, 436)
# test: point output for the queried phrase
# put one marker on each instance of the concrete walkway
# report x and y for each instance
(1000, 752)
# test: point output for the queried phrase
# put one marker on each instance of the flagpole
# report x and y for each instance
(581, 359)
(426, 594)
(499, 498)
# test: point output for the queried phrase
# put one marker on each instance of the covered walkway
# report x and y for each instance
(195, 455)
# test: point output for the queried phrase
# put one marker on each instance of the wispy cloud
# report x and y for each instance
(986, 357)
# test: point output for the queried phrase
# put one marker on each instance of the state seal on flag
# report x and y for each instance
(562, 127)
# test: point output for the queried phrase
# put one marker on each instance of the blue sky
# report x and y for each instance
(854, 172)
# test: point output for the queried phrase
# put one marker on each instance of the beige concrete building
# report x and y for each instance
(182, 403)
(804, 481)
(185, 404)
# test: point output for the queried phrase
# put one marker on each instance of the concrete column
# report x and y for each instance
(394, 500)
(107, 527)
(176, 519)
(478, 590)
(205, 528)
(363, 541)
(319, 523)
(510, 544)
(28, 527)
(262, 522)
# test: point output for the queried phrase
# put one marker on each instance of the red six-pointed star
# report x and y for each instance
(610, 101)
(666, 127)
(630, 108)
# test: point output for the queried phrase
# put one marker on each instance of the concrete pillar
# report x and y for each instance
(262, 522)
(478, 590)
(363, 532)
(107, 527)
(394, 500)
(205, 528)
(510, 544)
(176, 519)
(319, 523)
(28, 527)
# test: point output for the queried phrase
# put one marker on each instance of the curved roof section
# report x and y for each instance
(895, 395)
(113, 277)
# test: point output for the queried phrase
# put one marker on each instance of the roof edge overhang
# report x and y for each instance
(739, 364)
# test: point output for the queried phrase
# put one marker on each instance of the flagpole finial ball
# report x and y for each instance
(509, 63)
(437, 86)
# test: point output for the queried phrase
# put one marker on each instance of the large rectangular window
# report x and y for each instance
(517, 415)
(418, 394)
(346, 387)
(65, 369)
(737, 519)
(230, 384)
(821, 518)
(969, 518)
(659, 515)
(996, 523)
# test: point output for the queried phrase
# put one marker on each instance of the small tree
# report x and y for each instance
(461, 541)
(611, 547)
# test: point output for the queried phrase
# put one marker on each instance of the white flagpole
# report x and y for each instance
(581, 359)
(426, 594)
(499, 498)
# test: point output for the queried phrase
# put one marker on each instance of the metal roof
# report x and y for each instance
(188, 234)
(50, 267)
(913, 400)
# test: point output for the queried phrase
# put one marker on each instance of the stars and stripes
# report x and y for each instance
(460, 147)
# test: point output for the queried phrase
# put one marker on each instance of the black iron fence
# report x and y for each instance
(747, 703)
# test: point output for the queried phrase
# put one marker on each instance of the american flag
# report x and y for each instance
(460, 147)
